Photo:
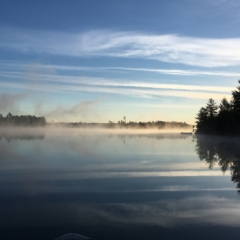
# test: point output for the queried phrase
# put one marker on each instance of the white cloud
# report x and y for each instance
(179, 72)
(55, 83)
(46, 78)
(166, 48)
(142, 90)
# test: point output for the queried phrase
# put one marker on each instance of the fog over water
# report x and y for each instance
(117, 184)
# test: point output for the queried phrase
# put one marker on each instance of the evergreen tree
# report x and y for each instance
(212, 108)
(225, 119)
(236, 100)
(206, 118)
(236, 108)
(202, 120)
(225, 106)
(15, 120)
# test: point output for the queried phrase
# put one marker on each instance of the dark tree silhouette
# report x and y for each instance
(28, 120)
(222, 120)
(236, 100)
(212, 109)
(202, 120)
(206, 118)
(130, 125)
(225, 106)
(225, 124)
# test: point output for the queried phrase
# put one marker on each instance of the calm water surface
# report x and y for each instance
(110, 186)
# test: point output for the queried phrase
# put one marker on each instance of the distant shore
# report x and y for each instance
(11, 120)
(126, 125)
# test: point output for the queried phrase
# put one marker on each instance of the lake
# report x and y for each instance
(112, 185)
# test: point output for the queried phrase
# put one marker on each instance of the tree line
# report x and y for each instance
(22, 120)
(129, 125)
(223, 119)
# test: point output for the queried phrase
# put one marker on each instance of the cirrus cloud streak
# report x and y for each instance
(204, 52)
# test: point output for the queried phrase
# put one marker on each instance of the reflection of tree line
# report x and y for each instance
(22, 120)
(222, 151)
(28, 136)
(152, 136)
(8, 136)
(22, 137)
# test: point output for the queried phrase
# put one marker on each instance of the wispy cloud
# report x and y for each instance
(179, 72)
(48, 74)
(140, 90)
(53, 82)
(166, 48)
(47, 78)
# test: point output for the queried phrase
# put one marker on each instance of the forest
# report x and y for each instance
(22, 120)
(129, 125)
(220, 120)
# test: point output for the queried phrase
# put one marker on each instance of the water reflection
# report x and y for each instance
(21, 134)
(72, 236)
(224, 152)
(98, 186)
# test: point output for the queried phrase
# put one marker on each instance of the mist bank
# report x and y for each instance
(32, 121)
(126, 125)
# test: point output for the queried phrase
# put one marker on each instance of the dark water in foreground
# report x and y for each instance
(118, 186)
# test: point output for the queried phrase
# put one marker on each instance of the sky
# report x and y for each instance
(98, 61)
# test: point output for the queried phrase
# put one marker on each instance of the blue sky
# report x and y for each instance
(97, 61)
